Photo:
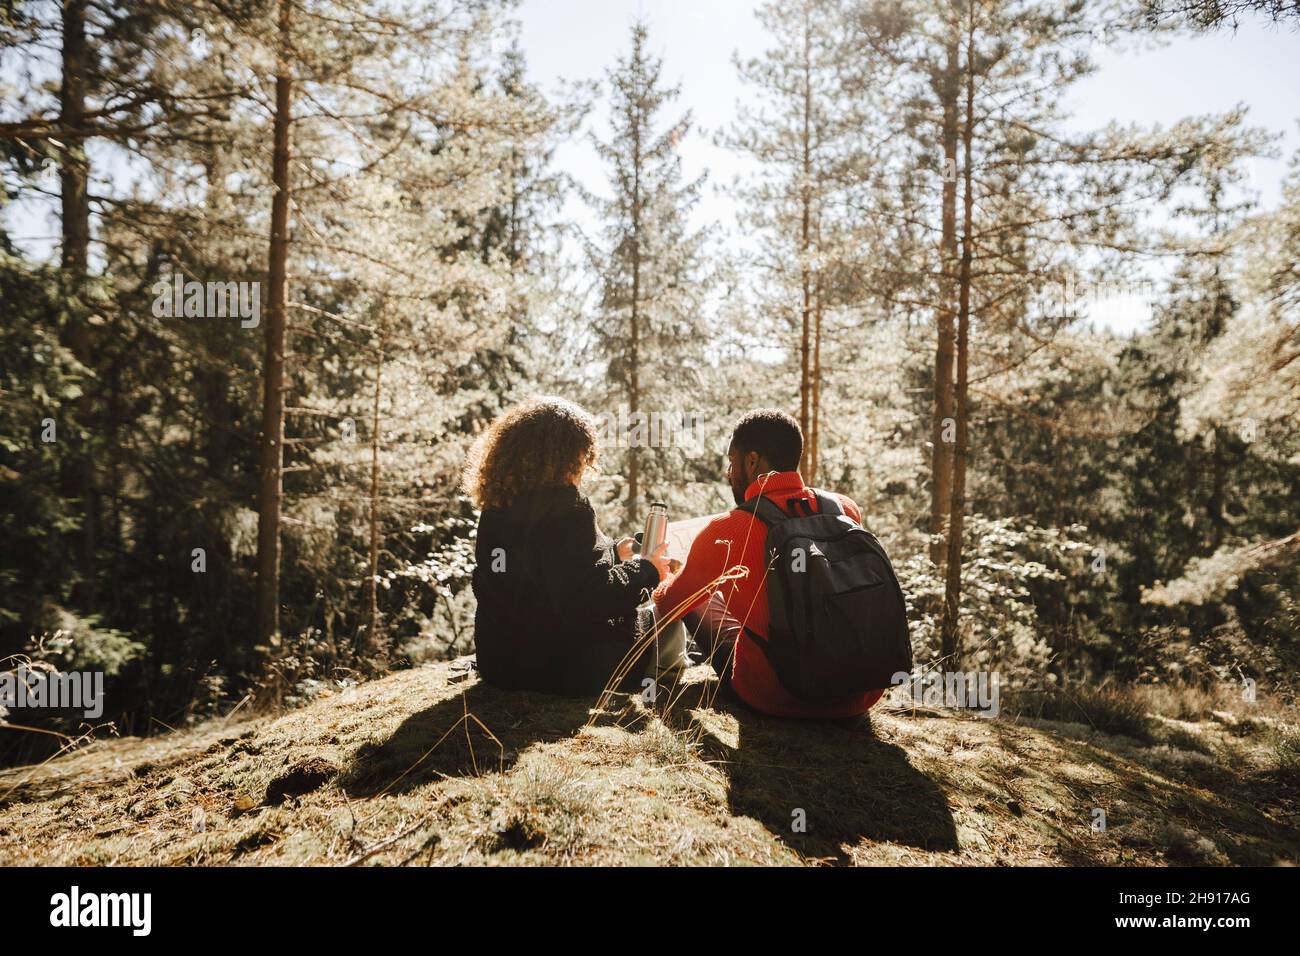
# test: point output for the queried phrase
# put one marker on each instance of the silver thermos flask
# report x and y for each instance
(656, 529)
(670, 642)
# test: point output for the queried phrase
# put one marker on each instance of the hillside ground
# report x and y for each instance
(431, 766)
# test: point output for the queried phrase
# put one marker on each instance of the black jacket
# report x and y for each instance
(556, 608)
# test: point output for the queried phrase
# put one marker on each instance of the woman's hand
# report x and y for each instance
(624, 548)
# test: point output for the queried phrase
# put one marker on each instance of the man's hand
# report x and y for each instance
(624, 548)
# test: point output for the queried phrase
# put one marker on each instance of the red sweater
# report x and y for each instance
(739, 538)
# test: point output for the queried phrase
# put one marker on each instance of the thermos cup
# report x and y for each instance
(656, 528)
(670, 639)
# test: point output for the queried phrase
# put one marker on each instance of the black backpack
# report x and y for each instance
(838, 617)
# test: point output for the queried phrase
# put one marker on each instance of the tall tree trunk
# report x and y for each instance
(1218, 483)
(74, 170)
(219, 427)
(112, 511)
(219, 413)
(372, 592)
(949, 633)
(634, 354)
(634, 393)
(74, 202)
(805, 277)
(940, 432)
(271, 455)
(814, 454)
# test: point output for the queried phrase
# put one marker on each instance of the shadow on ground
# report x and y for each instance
(440, 742)
(822, 787)
(819, 787)
(1237, 810)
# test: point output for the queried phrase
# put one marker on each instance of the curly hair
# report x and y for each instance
(542, 441)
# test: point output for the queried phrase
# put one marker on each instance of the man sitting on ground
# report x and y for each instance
(763, 459)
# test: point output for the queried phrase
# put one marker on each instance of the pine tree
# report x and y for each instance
(648, 327)
(809, 130)
(400, 290)
(384, 153)
(1036, 202)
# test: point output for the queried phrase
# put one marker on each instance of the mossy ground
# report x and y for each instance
(431, 766)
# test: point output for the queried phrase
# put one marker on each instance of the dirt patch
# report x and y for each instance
(519, 833)
(301, 778)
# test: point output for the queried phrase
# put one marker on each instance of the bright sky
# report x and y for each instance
(1258, 65)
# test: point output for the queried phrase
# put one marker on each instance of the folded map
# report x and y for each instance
(680, 534)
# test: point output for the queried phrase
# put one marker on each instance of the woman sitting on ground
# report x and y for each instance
(557, 600)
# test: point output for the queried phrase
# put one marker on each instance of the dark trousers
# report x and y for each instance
(715, 631)
(632, 682)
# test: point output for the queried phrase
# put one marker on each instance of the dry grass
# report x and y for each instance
(1107, 708)
(430, 766)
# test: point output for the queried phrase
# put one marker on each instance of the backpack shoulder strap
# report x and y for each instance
(763, 508)
(827, 504)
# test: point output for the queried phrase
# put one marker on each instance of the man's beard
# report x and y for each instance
(738, 492)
